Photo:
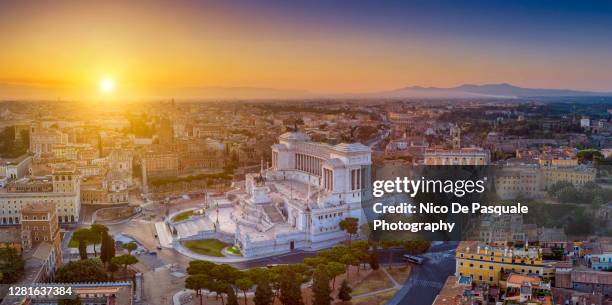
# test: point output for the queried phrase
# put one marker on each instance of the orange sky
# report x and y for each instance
(66, 48)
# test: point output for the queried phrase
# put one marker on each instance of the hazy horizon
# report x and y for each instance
(147, 49)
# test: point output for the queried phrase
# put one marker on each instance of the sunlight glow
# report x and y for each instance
(107, 85)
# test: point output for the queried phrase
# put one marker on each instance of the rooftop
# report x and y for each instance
(38, 207)
(479, 248)
(451, 293)
(13, 161)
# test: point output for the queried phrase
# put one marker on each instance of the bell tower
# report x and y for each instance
(455, 133)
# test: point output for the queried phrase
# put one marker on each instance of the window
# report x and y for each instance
(356, 179)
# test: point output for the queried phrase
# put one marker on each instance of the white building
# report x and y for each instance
(297, 203)
(461, 156)
(585, 122)
(12, 169)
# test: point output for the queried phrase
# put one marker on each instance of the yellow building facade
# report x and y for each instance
(486, 264)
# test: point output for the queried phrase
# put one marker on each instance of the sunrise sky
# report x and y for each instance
(73, 49)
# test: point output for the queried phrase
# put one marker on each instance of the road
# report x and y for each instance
(375, 141)
(426, 281)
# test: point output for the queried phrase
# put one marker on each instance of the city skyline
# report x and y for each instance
(186, 49)
(335, 152)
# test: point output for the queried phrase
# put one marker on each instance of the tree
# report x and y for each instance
(99, 229)
(568, 194)
(350, 225)
(344, 293)
(290, 292)
(335, 254)
(82, 250)
(374, 263)
(387, 245)
(580, 225)
(263, 293)
(589, 155)
(200, 267)
(220, 288)
(223, 276)
(112, 268)
(11, 265)
(349, 259)
(231, 297)
(197, 282)
(260, 274)
(320, 288)
(220, 276)
(360, 251)
(88, 270)
(315, 262)
(556, 187)
(334, 269)
(82, 237)
(107, 250)
(96, 233)
(131, 246)
(416, 246)
(244, 284)
(225, 273)
(366, 231)
(124, 260)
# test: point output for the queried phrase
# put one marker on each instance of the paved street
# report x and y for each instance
(426, 281)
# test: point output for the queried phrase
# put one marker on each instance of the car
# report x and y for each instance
(413, 259)
(152, 253)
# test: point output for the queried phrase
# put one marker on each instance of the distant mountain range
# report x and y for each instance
(487, 90)
(24, 91)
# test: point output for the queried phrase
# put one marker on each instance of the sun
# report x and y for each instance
(107, 85)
